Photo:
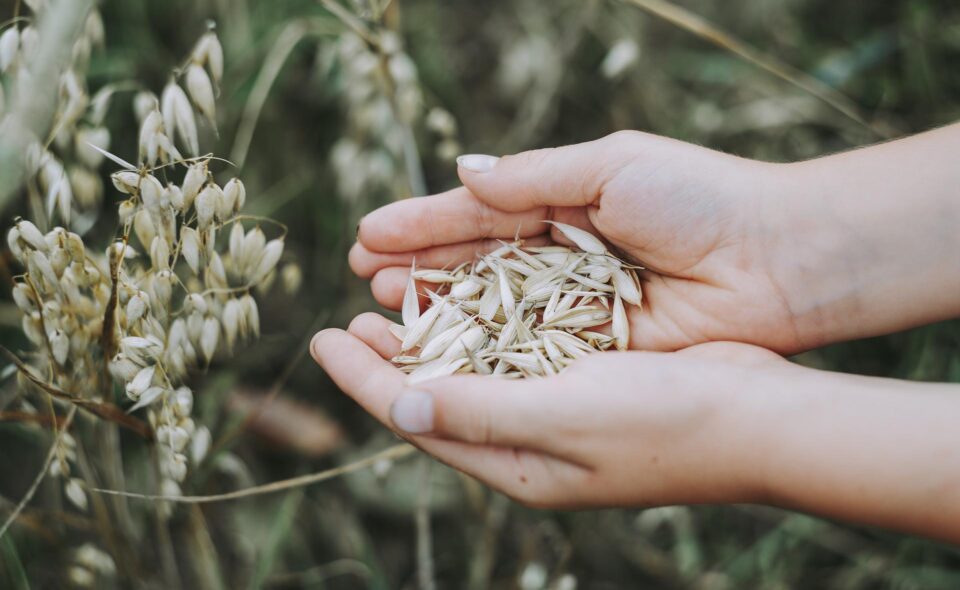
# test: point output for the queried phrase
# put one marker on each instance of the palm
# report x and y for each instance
(706, 278)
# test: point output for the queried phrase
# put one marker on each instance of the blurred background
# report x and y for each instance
(332, 110)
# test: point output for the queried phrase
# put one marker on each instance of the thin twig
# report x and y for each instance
(43, 473)
(394, 452)
(696, 24)
(104, 410)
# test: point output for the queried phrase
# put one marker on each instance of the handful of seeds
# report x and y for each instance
(518, 311)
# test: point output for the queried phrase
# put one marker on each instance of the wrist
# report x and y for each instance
(769, 400)
(812, 253)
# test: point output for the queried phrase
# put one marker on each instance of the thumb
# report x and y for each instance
(477, 410)
(569, 176)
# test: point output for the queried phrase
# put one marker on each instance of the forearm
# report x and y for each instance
(876, 451)
(870, 239)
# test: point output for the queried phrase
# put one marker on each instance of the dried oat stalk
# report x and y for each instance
(164, 300)
(519, 311)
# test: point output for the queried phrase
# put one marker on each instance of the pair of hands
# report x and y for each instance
(744, 258)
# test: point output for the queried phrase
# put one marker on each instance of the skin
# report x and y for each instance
(747, 261)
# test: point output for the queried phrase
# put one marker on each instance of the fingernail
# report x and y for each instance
(357, 234)
(477, 162)
(413, 412)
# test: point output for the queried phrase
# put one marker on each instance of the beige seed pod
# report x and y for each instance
(62, 194)
(268, 260)
(195, 302)
(235, 195)
(215, 274)
(209, 338)
(253, 244)
(13, 242)
(148, 397)
(222, 209)
(9, 47)
(175, 197)
(209, 51)
(435, 347)
(59, 346)
(136, 308)
(201, 91)
(32, 330)
(190, 247)
(419, 329)
(160, 253)
(176, 467)
(93, 28)
(183, 401)
(251, 314)
(91, 136)
(144, 103)
(143, 227)
(31, 235)
(162, 286)
(235, 245)
(410, 312)
(151, 127)
(232, 313)
(206, 206)
(87, 187)
(626, 287)
(193, 181)
(200, 444)
(151, 192)
(59, 260)
(126, 210)
(178, 117)
(126, 181)
(38, 265)
(23, 297)
(74, 492)
(584, 240)
(100, 104)
(140, 382)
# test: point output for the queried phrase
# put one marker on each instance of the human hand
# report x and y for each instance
(693, 216)
(715, 423)
(635, 428)
(784, 256)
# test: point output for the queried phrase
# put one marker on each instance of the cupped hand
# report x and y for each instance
(695, 218)
(632, 428)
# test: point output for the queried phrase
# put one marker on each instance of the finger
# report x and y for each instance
(388, 286)
(529, 477)
(448, 218)
(482, 411)
(569, 176)
(373, 330)
(365, 262)
(358, 371)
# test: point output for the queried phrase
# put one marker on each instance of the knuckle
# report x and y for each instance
(529, 159)
(361, 321)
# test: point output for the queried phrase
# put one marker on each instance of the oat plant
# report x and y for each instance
(120, 330)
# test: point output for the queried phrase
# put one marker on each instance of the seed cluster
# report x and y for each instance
(519, 311)
(381, 95)
(173, 292)
(63, 174)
